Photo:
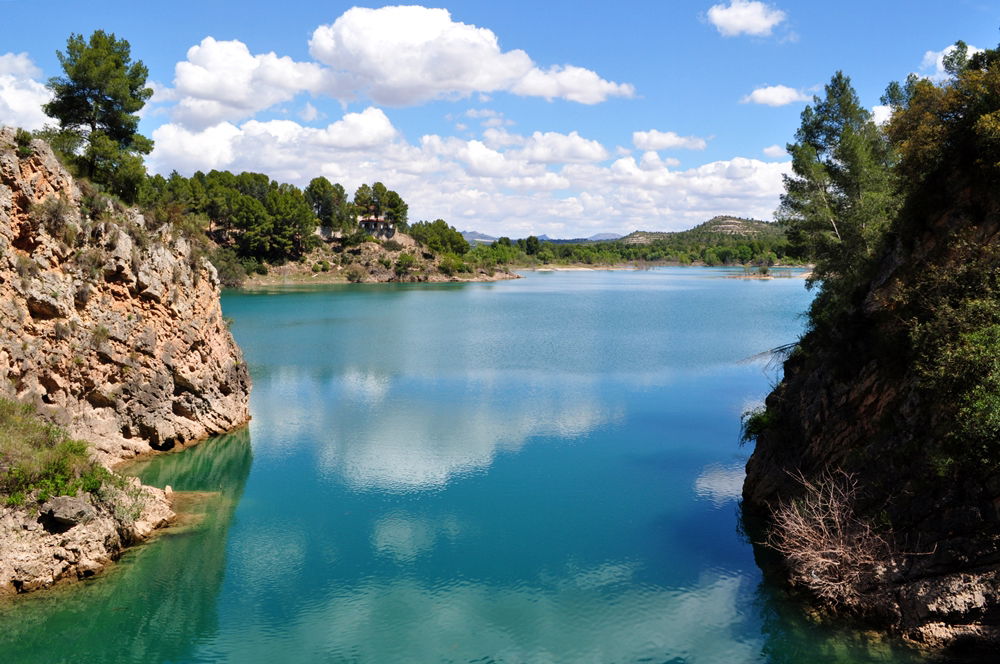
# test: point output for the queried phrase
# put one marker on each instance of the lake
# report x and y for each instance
(540, 470)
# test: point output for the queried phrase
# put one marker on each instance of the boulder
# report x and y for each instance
(68, 511)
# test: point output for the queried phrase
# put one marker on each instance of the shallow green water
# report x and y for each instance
(542, 470)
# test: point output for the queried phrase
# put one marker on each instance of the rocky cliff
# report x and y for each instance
(112, 328)
(871, 438)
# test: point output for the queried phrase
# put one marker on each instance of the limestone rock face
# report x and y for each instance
(111, 327)
(38, 552)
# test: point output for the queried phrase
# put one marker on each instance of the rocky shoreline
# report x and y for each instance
(113, 330)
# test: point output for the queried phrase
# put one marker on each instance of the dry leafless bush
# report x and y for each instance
(828, 548)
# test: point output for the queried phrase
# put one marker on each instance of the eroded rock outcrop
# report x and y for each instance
(40, 549)
(112, 329)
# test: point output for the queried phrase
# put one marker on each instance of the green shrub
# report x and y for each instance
(23, 140)
(100, 335)
(357, 237)
(253, 266)
(40, 460)
(391, 245)
(355, 274)
(451, 264)
(51, 214)
(90, 262)
(404, 264)
(753, 423)
(231, 272)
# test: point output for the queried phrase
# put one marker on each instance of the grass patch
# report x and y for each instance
(40, 460)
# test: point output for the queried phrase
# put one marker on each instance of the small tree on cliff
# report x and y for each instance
(97, 99)
(839, 199)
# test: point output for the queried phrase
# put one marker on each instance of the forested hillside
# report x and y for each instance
(877, 461)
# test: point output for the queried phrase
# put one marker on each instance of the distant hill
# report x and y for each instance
(714, 227)
(599, 237)
(475, 237)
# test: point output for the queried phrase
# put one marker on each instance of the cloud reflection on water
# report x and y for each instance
(579, 619)
(404, 537)
(404, 442)
(720, 484)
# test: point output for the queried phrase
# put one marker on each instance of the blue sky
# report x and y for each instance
(509, 118)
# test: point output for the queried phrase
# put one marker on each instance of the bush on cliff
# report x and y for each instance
(39, 460)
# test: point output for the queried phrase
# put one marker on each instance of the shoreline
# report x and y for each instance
(305, 278)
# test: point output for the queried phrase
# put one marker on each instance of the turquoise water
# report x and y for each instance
(540, 470)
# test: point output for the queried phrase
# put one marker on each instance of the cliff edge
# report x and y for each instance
(876, 471)
(112, 329)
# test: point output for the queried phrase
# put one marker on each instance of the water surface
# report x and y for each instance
(541, 470)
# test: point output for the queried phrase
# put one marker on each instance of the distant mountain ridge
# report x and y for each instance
(475, 237)
(719, 225)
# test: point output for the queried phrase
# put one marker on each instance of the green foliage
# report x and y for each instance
(395, 210)
(98, 99)
(753, 423)
(355, 274)
(531, 245)
(359, 236)
(253, 266)
(51, 214)
(439, 237)
(841, 197)
(364, 200)
(404, 264)
(23, 140)
(39, 460)
(260, 219)
(761, 243)
(329, 203)
(452, 264)
(935, 316)
(392, 245)
(100, 335)
(90, 261)
(231, 272)
(952, 316)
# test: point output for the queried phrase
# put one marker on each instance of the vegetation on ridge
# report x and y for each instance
(904, 335)
(39, 460)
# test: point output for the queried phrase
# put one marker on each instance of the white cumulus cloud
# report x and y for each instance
(21, 96)
(408, 55)
(501, 183)
(881, 114)
(552, 147)
(775, 152)
(775, 95)
(665, 140)
(222, 80)
(745, 17)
